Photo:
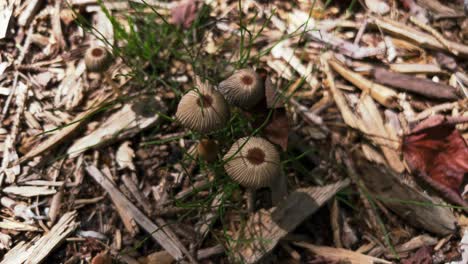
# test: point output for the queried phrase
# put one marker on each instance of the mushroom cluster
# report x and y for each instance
(253, 162)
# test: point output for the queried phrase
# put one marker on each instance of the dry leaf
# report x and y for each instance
(102, 258)
(422, 256)
(184, 13)
(273, 98)
(437, 153)
(277, 129)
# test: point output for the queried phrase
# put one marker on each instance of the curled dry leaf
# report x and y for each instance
(437, 153)
(184, 13)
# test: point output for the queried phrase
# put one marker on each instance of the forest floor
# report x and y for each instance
(362, 105)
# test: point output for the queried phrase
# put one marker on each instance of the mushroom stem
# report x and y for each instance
(279, 189)
(250, 195)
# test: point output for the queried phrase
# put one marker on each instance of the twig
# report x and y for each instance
(434, 110)
(413, 84)
(360, 32)
(434, 32)
(422, 39)
(380, 93)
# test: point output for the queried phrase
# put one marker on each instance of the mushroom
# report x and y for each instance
(203, 109)
(244, 88)
(98, 60)
(253, 162)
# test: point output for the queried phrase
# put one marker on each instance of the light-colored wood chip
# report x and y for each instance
(131, 119)
(29, 191)
(38, 248)
(17, 226)
(344, 255)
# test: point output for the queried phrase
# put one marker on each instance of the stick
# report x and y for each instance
(420, 38)
(380, 93)
(413, 84)
(434, 32)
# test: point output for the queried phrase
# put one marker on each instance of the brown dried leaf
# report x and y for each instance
(277, 129)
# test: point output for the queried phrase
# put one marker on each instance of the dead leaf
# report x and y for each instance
(184, 13)
(436, 152)
(277, 129)
(422, 256)
(102, 258)
(273, 98)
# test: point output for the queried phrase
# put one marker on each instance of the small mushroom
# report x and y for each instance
(207, 149)
(97, 59)
(255, 163)
(204, 109)
(244, 88)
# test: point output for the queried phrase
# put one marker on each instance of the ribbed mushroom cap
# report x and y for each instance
(244, 88)
(97, 59)
(253, 165)
(203, 110)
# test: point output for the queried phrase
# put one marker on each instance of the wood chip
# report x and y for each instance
(128, 121)
(341, 255)
(29, 191)
(266, 228)
(37, 249)
(422, 212)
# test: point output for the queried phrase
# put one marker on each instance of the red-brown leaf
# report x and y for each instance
(277, 130)
(422, 256)
(437, 153)
(184, 13)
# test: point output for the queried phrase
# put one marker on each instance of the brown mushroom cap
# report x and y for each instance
(244, 88)
(203, 110)
(97, 59)
(207, 149)
(254, 164)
